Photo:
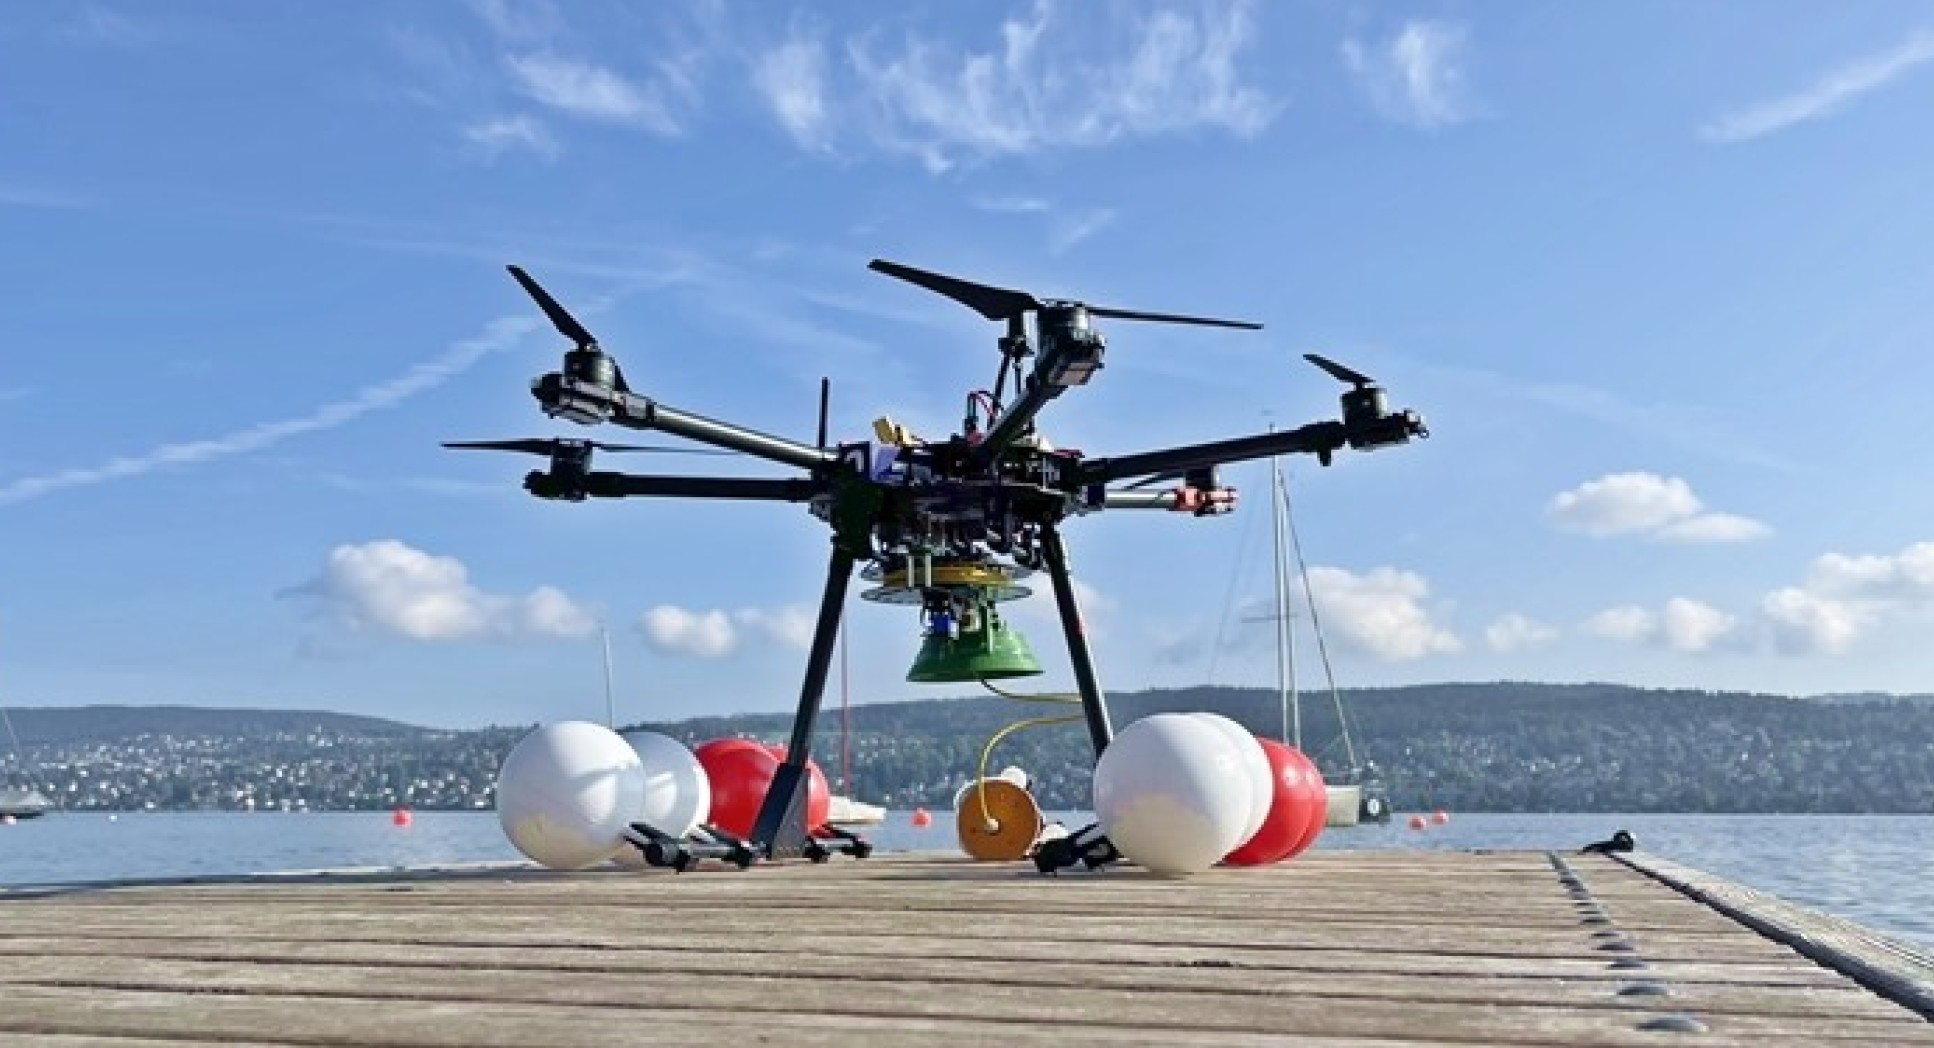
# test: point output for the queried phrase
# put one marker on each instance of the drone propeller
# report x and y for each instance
(999, 303)
(994, 303)
(567, 325)
(551, 446)
(1339, 372)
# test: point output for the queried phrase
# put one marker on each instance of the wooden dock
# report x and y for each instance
(1346, 948)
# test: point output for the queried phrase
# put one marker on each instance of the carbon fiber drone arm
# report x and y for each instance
(603, 484)
(1317, 438)
(590, 402)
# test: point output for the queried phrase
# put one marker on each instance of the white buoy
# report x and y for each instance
(678, 794)
(1262, 786)
(1173, 793)
(566, 792)
(1016, 775)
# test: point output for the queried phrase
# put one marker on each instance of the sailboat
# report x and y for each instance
(1356, 794)
(20, 802)
(845, 810)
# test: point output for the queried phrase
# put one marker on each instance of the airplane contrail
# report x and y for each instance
(499, 334)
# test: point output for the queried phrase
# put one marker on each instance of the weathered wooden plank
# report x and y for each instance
(1351, 948)
(211, 1018)
(1900, 971)
(881, 951)
(1269, 1008)
(1231, 932)
(407, 962)
(10, 1039)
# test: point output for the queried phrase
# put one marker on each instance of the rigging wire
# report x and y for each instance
(20, 761)
(1316, 622)
(19, 758)
(1229, 595)
(845, 719)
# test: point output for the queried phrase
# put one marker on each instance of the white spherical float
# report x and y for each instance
(566, 792)
(1173, 793)
(1262, 787)
(678, 793)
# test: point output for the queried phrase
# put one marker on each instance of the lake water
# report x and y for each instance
(1878, 870)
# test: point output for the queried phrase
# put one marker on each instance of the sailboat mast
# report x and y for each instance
(1285, 659)
(610, 702)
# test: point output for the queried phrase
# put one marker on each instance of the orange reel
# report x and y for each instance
(998, 821)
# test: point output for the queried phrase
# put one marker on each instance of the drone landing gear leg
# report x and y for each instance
(781, 830)
(1094, 707)
(1089, 846)
(662, 849)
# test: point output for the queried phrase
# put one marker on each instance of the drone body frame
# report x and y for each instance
(981, 508)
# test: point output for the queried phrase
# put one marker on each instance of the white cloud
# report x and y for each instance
(592, 92)
(1713, 527)
(716, 633)
(1627, 622)
(1691, 626)
(1844, 596)
(500, 135)
(1515, 632)
(1075, 227)
(1623, 502)
(1904, 576)
(1825, 96)
(1038, 612)
(499, 335)
(1417, 76)
(1802, 623)
(1060, 77)
(519, 20)
(1380, 612)
(792, 79)
(706, 634)
(790, 626)
(1840, 600)
(1684, 625)
(1066, 225)
(1663, 508)
(390, 587)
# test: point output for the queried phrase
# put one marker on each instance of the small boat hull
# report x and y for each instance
(1346, 805)
(23, 804)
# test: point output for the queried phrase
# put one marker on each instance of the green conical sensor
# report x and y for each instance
(990, 653)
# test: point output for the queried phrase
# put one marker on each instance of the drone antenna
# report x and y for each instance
(1013, 348)
(825, 401)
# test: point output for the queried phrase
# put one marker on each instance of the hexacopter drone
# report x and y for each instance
(949, 526)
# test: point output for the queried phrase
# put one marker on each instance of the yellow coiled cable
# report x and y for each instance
(987, 751)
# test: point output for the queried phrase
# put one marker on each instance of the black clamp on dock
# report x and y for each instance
(1087, 846)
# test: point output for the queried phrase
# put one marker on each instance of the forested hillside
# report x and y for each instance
(1468, 747)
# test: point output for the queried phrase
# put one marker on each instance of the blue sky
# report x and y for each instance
(1657, 277)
